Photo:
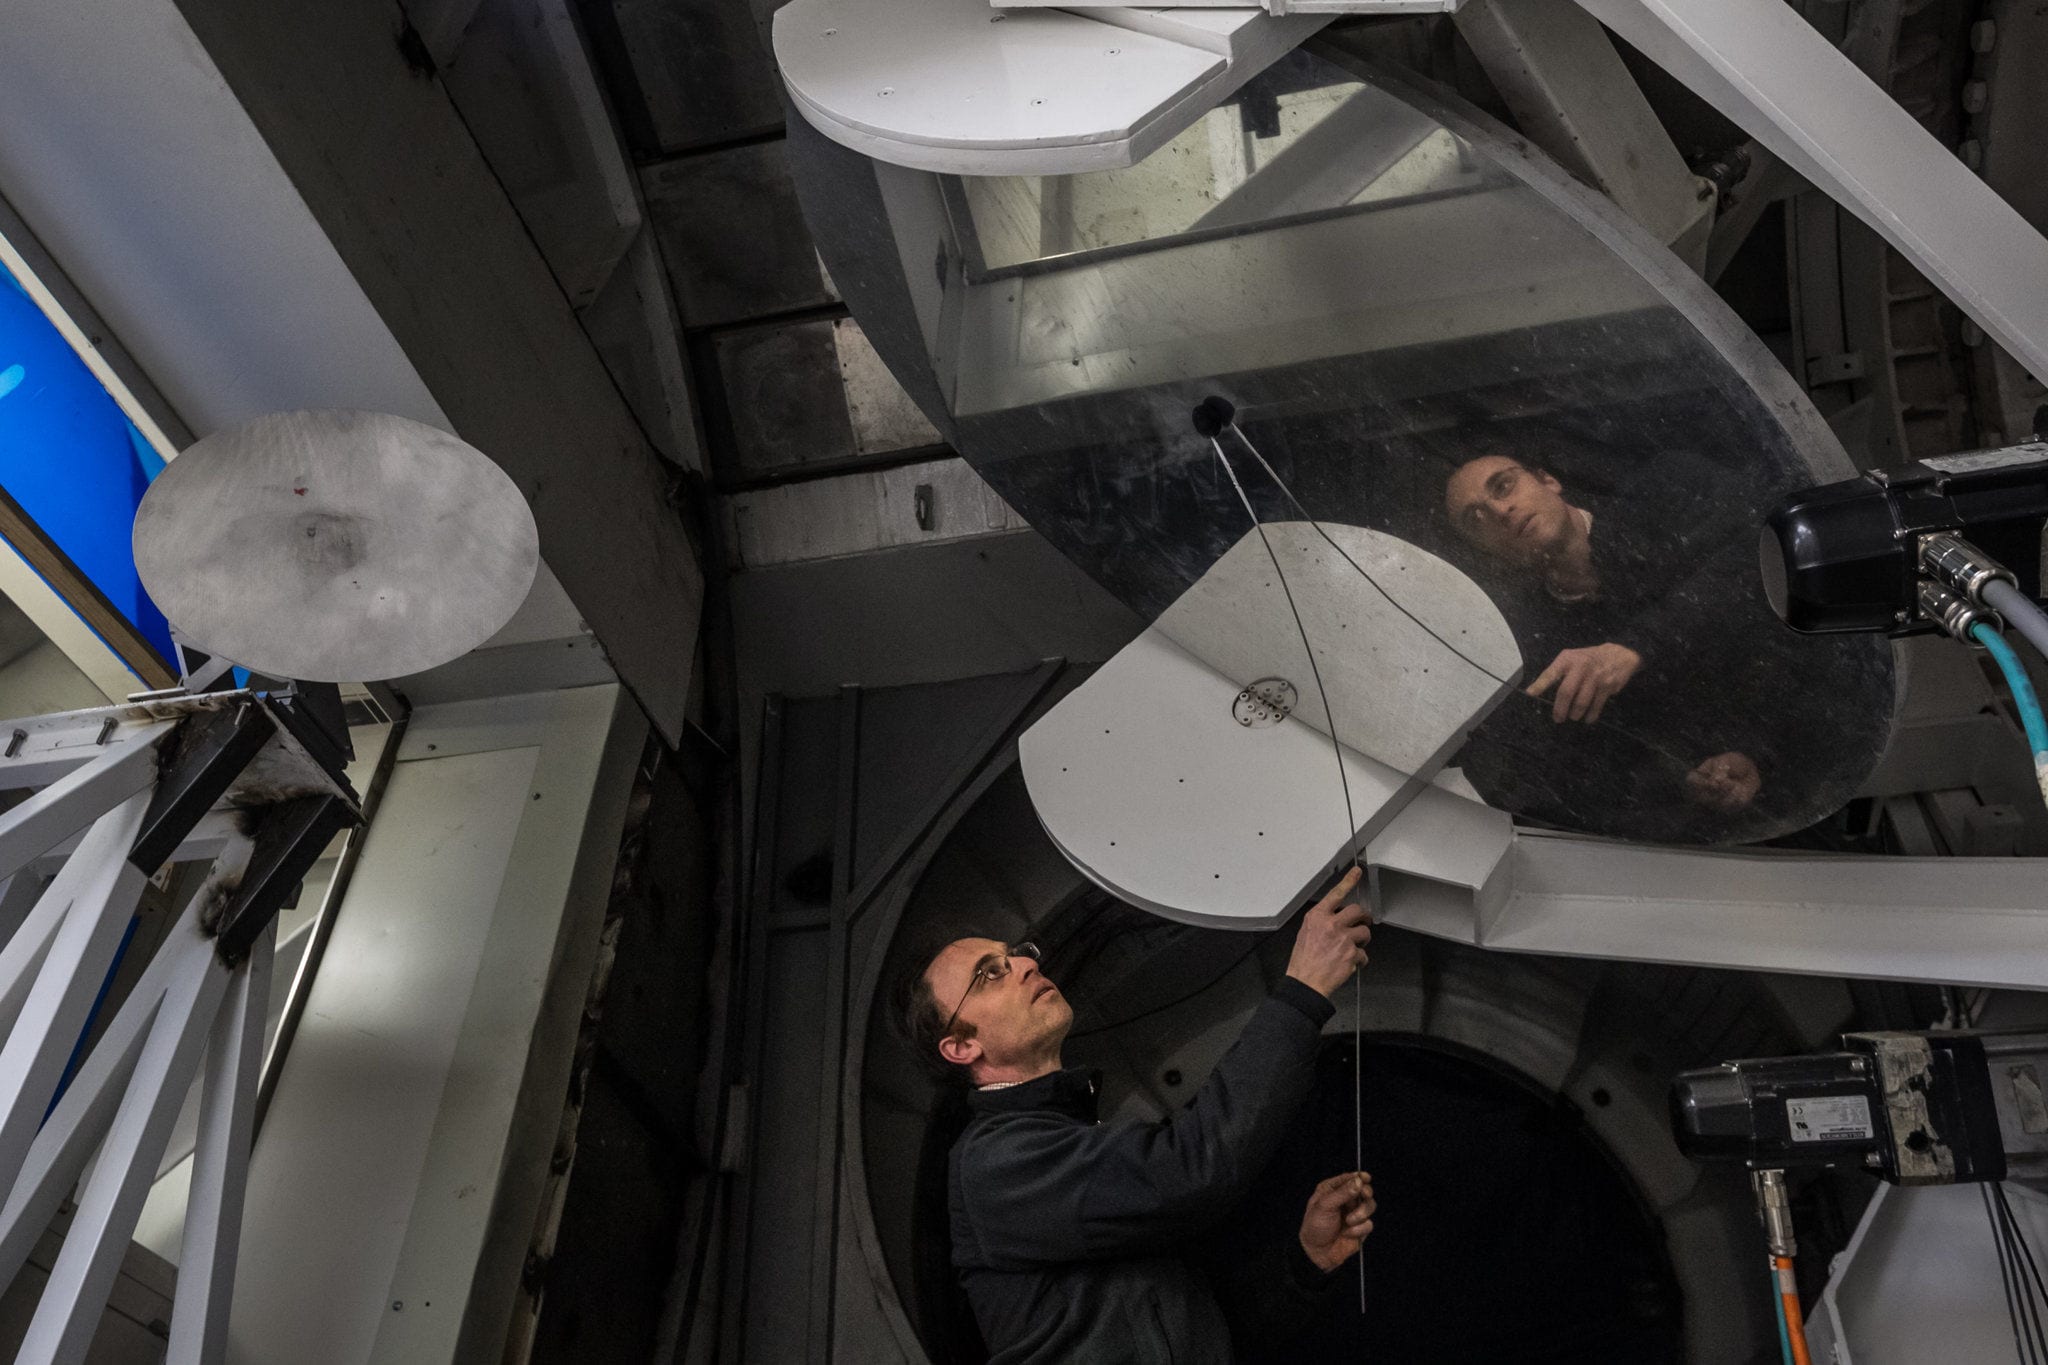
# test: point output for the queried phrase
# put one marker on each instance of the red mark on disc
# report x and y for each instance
(300, 491)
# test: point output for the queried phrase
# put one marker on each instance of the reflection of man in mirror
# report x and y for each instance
(1606, 592)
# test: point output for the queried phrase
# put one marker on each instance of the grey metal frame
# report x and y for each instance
(197, 1009)
(874, 903)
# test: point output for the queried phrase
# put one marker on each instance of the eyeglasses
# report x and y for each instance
(991, 971)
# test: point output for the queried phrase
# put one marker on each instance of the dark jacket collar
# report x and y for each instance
(1070, 1092)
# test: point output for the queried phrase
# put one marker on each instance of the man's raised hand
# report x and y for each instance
(1338, 1219)
(1330, 944)
(1586, 680)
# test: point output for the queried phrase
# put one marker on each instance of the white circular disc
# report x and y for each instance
(335, 546)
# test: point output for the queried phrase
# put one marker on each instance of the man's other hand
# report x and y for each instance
(1726, 782)
(1330, 944)
(1586, 680)
(1338, 1219)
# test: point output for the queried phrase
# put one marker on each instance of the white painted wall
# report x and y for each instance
(395, 1133)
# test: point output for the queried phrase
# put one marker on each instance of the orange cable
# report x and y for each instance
(1795, 1325)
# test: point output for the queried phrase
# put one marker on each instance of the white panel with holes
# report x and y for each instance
(1145, 777)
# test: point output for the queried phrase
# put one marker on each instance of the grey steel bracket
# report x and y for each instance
(289, 839)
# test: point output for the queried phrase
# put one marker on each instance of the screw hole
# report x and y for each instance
(1602, 1098)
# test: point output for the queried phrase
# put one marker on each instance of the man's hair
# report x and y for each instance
(921, 1019)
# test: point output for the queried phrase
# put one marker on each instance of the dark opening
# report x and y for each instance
(1506, 1231)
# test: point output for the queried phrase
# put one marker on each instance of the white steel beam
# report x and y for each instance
(1765, 67)
(58, 1004)
(23, 956)
(1573, 96)
(1963, 921)
(205, 841)
(75, 1127)
(104, 1223)
(220, 1166)
(78, 798)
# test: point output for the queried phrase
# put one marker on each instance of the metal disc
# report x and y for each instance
(335, 546)
(1389, 289)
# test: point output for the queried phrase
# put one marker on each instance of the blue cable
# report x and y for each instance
(2022, 689)
(1778, 1303)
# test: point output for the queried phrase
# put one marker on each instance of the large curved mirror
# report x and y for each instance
(1445, 358)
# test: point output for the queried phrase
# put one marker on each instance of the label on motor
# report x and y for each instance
(1829, 1118)
(2032, 453)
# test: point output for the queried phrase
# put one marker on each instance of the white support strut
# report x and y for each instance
(69, 1311)
(78, 798)
(58, 1004)
(1771, 72)
(220, 1165)
(76, 1126)
(130, 1088)
(937, 86)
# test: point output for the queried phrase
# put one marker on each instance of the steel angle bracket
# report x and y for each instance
(200, 763)
(289, 839)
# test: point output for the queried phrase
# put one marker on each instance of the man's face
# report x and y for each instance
(1508, 510)
(1017, 1017)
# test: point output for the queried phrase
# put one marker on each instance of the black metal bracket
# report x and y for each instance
(313, 713)
(204, 760)
(289, 839)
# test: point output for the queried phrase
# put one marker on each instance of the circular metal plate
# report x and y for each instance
(1400, 300)
(335, 546)
(1264, 703)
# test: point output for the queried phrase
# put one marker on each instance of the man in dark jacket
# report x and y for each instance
(1072, 1237)
(1664, 703)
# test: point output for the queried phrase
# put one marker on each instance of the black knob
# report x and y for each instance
(1213, 414)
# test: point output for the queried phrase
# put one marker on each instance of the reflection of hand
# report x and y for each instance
(1586, 680)
(1726, 782)
(1338, 1219)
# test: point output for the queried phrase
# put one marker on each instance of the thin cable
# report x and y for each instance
(2012, 1312)
(1358, 1106)
(2020, 1238)
(2028, 1302)
(1336, 747)
(1350, 818)
(1281, 484)
(2030, 1309)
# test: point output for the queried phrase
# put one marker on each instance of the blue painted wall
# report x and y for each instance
(70, 457)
